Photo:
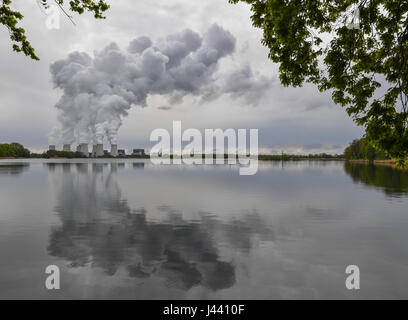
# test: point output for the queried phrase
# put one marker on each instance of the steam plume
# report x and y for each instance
(98, 92)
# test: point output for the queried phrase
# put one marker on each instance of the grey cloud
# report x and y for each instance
(314, 102)
(243, 82)
(240, 82)
(164, 108)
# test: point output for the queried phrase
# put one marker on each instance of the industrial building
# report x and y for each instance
(138, 152)
(98, 151)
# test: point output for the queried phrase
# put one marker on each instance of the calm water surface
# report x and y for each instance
(128, 229)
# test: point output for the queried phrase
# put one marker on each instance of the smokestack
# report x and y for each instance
(83, 148)
(114, 150)
(99, 150)
(66, 147)
(51, 147)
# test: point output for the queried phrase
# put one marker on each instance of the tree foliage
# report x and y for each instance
(299, 157)
(62, 154)
(365, 68)
(10, 19)
(361, 149)
(13, 150)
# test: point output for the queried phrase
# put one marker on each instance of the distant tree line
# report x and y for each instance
(361, 149)
(59, 154)
(16, 150)
(13, 150)
(293, 157)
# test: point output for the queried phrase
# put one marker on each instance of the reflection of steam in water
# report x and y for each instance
(392, 181)
(100, 229)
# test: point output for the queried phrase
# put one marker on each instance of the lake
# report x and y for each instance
(127, 229)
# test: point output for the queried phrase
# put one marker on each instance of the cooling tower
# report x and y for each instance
(99, 150)
(66, 147)
(114, 150)
(51, 147)
(94, 150)
(83, 148)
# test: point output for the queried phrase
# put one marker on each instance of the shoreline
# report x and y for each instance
(388, 163)
(304, 159)
(260, 158)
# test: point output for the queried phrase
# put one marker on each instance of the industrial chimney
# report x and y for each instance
(99, 150)
(83, 148)
(66, 147)
(114, 150)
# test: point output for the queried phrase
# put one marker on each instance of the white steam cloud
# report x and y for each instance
(98, 92)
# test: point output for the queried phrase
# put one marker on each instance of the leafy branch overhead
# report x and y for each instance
(10, 19)
(365, 68)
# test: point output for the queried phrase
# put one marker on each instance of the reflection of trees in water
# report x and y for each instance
(98, 227)
(392, 181)
(13, 168)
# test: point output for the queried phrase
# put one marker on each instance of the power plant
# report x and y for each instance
(93, 151)
(114, 150)
(83, 148)
(97, 150)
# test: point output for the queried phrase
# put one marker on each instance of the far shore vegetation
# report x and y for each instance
(16, 150)
(13, 150)
(360, 150)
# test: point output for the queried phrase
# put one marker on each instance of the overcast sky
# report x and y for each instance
(293, 120)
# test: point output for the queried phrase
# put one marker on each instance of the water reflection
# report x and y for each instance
(128, 229)
(13, 168)
(101, 230)
(392, 181)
